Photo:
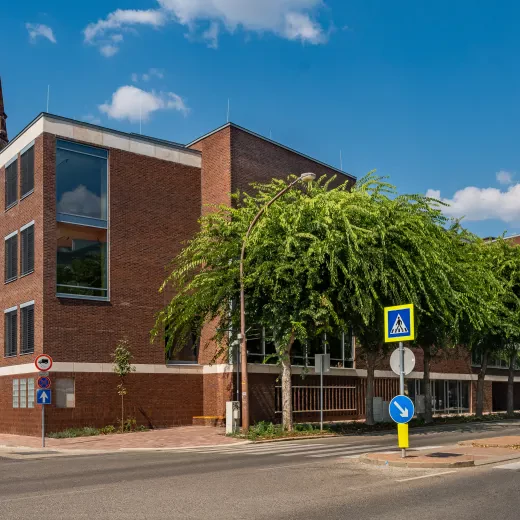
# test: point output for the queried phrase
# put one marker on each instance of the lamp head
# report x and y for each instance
(307, 177)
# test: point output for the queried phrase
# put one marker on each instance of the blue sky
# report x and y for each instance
(426, 93)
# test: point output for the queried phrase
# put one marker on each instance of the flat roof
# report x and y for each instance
(132, 135)
(234, 125)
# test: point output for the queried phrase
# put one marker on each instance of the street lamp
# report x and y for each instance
(304, 177)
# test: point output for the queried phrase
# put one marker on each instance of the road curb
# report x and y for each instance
(412, 464)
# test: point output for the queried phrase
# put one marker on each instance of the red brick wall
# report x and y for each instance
(29, 287)
(254, 159)
(154, 206)
(21, 421)
(154, 400)
(216, 169)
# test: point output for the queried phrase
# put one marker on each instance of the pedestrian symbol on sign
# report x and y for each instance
(399, 326)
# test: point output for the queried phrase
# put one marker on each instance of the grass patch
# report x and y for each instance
(90, 431)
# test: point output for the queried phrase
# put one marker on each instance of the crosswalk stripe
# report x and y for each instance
(260, 449)
(333, 449)
(348, 453)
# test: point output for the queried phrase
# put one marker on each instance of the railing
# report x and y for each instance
(306, 399)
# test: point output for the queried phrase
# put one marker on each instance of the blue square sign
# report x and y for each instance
(43, 396)
(399, 323)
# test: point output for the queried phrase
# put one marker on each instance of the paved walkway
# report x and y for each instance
(180, 437)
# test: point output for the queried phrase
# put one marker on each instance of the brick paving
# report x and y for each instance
(180, 437)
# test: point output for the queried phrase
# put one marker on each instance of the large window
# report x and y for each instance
(81, 212)
(23, 393)
(10, 332)
(27, 171)
(448, 396)
(27, 316)
(261, 349)
(11, 257)
(27, 246)
(11, 184)
(82, 261)
(81, 184)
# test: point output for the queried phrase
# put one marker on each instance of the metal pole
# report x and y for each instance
(401, 381)
(43, 426)
(321, 392)
(242, 335)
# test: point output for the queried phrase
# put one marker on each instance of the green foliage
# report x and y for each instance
(122, 357)
(130, 425)
(268, 430)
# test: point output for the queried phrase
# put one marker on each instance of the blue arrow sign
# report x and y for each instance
(401, 409)
(43, 396)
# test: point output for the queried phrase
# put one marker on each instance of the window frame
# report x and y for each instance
(8, 333)
(24, 310)
(25, 230)
(8, 240)
(24, 153)
(13, 163)
(85, 221)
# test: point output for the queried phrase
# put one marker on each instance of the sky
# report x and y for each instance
(426, 93)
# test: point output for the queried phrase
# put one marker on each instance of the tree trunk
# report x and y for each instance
(511, 386)
(287, 415)
(122, 413)
(428, 415)
(480, 385)
(369, 399)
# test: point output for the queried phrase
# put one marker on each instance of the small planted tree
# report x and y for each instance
(122, 367)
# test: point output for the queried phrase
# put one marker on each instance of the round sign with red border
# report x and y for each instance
(43, 362)
(44, 382)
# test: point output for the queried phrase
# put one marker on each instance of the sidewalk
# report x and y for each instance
(170, 438)
(465, 454)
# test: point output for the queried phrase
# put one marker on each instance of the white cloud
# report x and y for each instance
(80, 201)
(482, 203)
(132, 103)
(108, 50)
(289, 19)
(504, 177)
(38, 29)
(147, 76)
(120, 20)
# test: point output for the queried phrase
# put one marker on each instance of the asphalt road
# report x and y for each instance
(249, 483)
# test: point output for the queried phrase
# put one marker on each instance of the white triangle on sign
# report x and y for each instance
(399, 326)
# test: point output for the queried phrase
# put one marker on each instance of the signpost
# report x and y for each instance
(400, 326)
(43, 363)
(321, 365)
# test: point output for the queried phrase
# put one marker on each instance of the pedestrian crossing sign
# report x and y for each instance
(399, 323)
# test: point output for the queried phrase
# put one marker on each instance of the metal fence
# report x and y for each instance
(306, 399)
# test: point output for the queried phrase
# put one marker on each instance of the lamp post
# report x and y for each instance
(304, 177)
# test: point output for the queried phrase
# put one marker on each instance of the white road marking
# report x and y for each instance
(60, 494)
(333, 449)
(513, 465)
(426, 476)
(350, 452)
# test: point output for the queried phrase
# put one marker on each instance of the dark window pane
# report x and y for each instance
(11, 184)
(82, 261)
(334, 348)
(254, 345)
(27, 171)
(187, 354)
(11, 258)
(27, 329)
(10, 346)
(81, 181)
(27, 238)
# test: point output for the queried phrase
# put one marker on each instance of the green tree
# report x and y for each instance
(122, 357)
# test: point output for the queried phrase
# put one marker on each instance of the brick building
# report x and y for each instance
(91, 218)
